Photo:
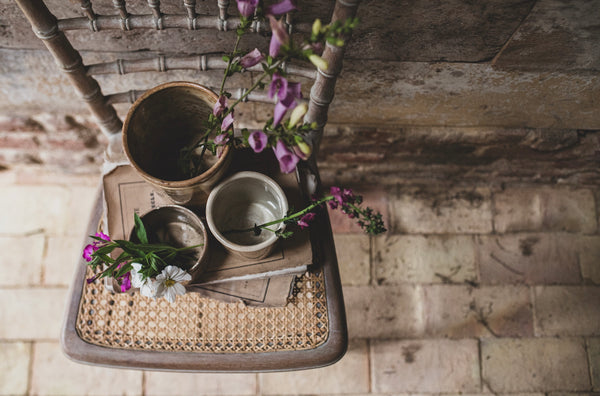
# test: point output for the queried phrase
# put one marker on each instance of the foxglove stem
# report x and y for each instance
(293, 216)
(235, 47)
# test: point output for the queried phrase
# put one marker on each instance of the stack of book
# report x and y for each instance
(264, 282)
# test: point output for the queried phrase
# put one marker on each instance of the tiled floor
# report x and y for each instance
(472, 291)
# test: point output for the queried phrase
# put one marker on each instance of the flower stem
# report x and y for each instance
(300, 213)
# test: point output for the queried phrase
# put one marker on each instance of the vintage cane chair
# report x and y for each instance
(310, 331)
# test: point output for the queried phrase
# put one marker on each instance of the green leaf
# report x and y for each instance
(140, 230)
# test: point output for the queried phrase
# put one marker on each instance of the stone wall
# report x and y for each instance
(429, 90)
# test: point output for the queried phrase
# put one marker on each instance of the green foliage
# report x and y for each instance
(153, 257)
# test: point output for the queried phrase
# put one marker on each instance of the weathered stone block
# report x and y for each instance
(81, 202)
(545, 209)
(14, 367)
(541, 37)
(34, 208)
(534, 365)
(162, 383)
(589, 258)
(21, 321)
(425, 366)
(54, 374)
(529, 258)
(424, 259)
(349, 375)
(383, 312)
(353, 255)
(593, 347)
(62, 256)
(462, 311)
(21, 255)
(567, 310)
(461, 211)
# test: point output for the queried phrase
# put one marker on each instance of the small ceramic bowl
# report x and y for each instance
(242, 201)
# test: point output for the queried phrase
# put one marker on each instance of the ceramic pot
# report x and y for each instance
(159, 124)
(178, 227)
(240, 202)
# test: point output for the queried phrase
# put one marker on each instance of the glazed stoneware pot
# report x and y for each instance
(179, 227)
(159, 124)
(239, 203)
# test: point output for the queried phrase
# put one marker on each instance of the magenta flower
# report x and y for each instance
(88, 251)
(247, 7)
(103, 236)
(125, 282)
(252, 58)
(304, 220)
(258, 141)
(227, 122)
(281, 8)
(220, 106)
(280, 36)
(287, 159)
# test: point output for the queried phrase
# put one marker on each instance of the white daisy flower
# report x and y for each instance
(168, 283)
(147, 286)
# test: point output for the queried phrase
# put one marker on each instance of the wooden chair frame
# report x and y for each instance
(50, 30)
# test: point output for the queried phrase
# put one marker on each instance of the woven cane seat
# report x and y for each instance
(202, 334)
(133, 322)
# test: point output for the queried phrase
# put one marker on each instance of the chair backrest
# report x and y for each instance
(51, 30)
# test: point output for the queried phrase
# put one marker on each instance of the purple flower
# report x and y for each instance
(304, 220)
(292, 93)
(287, 159)
(247, 7)
(252, 58)
(220, 106)
(280, 36)
(222, 139)
(92, 279)
(126, 282)
(279, 86)
(227, 122)
(258, 141)
(282, 7)
(88, 251)
(102, 236)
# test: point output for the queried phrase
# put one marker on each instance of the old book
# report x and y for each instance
(127, 193)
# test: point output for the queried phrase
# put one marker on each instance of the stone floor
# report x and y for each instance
(473, 291)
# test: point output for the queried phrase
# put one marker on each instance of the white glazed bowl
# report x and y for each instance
(243, 200)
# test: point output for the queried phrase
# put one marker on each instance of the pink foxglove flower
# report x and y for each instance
(252, 58)
(292, 93)
(287, 159)
(280, 36)
(222, 139)
(227, 122)
(279, 86)
(304, 220)
(220, 106)
(88, 251)
(281, 8)
(258, 141)
(247, 7)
